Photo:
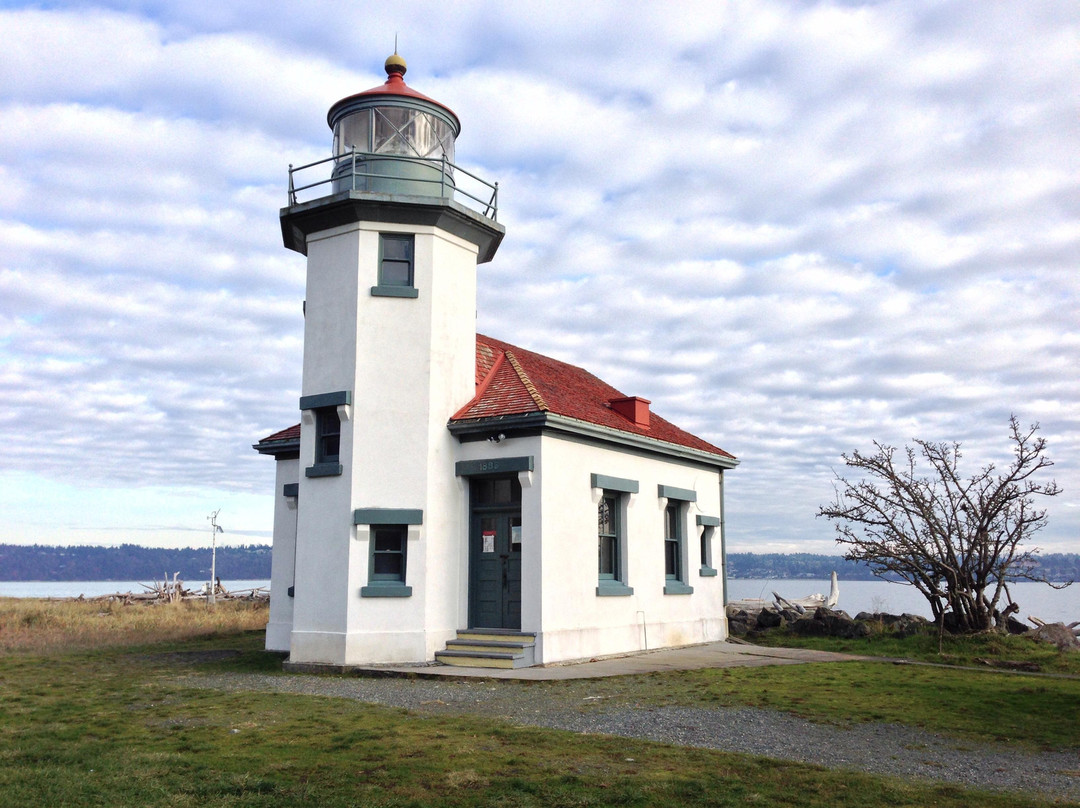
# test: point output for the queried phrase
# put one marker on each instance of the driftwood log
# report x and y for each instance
(173, 591)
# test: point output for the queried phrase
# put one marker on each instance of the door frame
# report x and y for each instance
(500, 510)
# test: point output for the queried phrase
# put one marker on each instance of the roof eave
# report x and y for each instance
(574, 426)
(563, 423)
(278, 447)
(478, 426)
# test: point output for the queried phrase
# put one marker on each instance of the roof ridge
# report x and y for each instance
(525, 380)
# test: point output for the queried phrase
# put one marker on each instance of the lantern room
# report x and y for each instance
(393, 140)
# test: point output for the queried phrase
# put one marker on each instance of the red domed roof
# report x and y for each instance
(394, 86)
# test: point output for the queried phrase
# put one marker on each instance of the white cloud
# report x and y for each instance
(797, 228)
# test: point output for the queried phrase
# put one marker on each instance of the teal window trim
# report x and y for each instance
(395, 291)
(327, 431)
(324, 470)
(677, 588)
(619, 484)
(706, 538)
(290, 490)
(675, 550)
(397, 263)
(326, 400)
(388, 551)
(709, 521)
(613, 589)
(671, 492)
(386, 590)
(496, 465)
(388, 516)
(612, 567)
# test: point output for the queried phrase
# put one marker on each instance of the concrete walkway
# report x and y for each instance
(693, 657)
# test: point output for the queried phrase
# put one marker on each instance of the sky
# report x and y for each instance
(797, 228)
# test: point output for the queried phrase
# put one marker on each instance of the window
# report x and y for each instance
(396, 266)
(327, 443)
(386, 564)
(327, 435)
(708, 525)
(321, 412)
(608, 532)
(672, 544)
(611, 534)
(676, 578)
(388, 553)
(388, 541)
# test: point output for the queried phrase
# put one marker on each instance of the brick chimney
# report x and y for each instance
(633, 408)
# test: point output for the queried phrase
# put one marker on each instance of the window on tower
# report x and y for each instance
(322, 414)
(328, 435)
(396, 266)
(388, 553)
(387, 531)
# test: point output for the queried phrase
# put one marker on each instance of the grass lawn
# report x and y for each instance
(974, 651)
(114, 726)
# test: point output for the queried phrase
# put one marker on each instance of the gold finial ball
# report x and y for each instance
(395, 64)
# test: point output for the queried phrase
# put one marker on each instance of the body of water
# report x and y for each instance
(1040, 600)
(72, 589)
(855, 596)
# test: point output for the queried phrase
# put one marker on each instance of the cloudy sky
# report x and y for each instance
(796, 227)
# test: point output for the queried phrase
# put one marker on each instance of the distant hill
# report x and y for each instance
(130, 562)
(795, 565)
(1054, 566)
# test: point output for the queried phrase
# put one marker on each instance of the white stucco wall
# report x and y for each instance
(559, 550)
(577, 623)
(412, 366)
(282, 562)
(323, 546)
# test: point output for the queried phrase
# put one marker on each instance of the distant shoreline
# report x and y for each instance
(130, 562)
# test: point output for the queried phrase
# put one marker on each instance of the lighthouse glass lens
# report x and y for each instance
(393, 127)
(413, 133)
(353, 131)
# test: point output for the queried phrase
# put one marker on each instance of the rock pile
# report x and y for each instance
(822, 622)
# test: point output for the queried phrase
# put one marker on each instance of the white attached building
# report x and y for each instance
(448, 495)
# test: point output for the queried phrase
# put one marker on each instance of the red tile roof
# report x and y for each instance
(292, 433)
(514, 381)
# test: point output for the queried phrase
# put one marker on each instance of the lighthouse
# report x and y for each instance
(449, 496)
(392, 246)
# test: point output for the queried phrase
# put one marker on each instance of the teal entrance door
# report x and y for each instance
(495, 553)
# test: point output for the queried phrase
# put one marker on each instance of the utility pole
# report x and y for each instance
(215, 528)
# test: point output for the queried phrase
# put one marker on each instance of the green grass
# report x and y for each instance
(117, 726)
(973, 651)
(1032, 713)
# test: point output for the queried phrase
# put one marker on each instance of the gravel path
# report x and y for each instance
(887, 749)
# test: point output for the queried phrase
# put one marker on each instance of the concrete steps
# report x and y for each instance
(489, 648)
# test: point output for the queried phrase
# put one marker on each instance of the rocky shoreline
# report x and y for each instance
(823, 622)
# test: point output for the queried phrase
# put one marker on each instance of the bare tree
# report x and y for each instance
(960, 542)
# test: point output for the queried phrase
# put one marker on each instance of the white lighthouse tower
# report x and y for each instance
(393, 232)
